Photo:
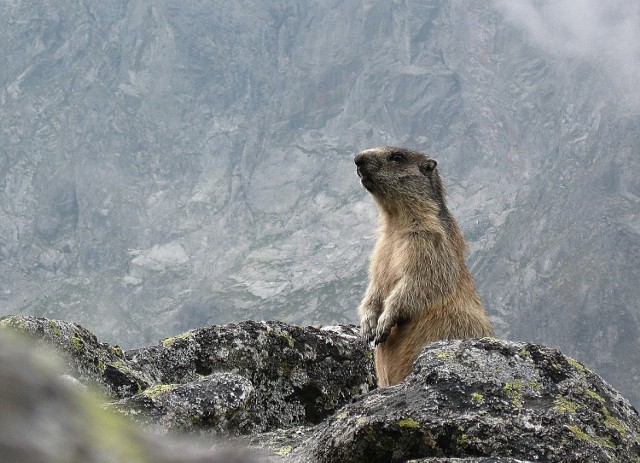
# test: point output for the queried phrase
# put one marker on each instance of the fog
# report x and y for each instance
(606, 34)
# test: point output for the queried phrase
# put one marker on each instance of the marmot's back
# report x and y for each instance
(420, 289)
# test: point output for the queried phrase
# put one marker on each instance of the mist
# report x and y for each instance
(607, 34)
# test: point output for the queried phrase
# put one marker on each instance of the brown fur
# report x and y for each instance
(420, 289)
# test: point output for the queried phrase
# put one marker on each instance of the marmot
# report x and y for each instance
(420, 289)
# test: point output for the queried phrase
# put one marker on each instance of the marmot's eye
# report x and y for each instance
(396, 157)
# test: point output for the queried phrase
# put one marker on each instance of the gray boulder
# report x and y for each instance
(483, 398)
(88, 360)
(283, 375)
(234, 379)
(44, 419)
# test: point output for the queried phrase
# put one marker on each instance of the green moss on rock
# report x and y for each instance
(594, 395)
(600, 441)
(54, 328)
(117, 351)
(283, 451)
(288, 337)
(512, 390)
(77, 343)
(168, 342)
(612, 423)
(562, 405)
(13, 322)
(408, 423)
(341, 415)
(158, 390)
(524, 353)
(577, 365)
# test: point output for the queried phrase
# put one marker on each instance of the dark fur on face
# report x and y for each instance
(399, 175)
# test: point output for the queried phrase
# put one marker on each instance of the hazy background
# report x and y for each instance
(168, 164)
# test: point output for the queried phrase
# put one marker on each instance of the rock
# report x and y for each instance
(218, 402)
(45, 419)
(294, 375)
(307, 394)
(88, 360)
(483, 398)
(232, 379)
(468, 460)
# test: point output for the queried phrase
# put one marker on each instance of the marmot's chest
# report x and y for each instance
(392, 261)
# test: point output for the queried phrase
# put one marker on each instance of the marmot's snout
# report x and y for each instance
(360, 161)
(366, 166)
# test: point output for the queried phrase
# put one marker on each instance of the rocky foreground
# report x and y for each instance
(301, 394)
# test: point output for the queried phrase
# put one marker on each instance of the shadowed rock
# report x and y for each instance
(297, 375)
(45, 419)
(88, 360)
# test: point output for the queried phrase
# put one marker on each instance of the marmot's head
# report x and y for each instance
(400, 177)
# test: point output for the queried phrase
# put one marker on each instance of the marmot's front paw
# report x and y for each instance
(385, 323)
(368, 327)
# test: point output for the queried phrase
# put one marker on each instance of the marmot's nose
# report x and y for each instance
(359, 159)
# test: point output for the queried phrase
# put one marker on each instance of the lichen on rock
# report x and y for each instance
(218, 404)
(89, 360)
(299, 375)
(483, 398)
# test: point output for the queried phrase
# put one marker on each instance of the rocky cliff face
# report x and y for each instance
(168, 164)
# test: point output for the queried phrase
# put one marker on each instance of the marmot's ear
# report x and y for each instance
(428, 166)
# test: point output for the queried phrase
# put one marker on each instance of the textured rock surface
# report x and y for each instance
(472, 401)
(219, 403)
(236, 378)
(47, 420)
(293, 375)
(88, 359)
(484, 398)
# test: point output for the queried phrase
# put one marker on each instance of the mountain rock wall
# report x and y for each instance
(170, 164)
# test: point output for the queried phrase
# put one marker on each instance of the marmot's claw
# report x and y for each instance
(368, 328)
(368, 336)
(381, 337)
(383, 330)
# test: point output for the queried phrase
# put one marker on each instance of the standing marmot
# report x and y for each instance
(420, 290)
